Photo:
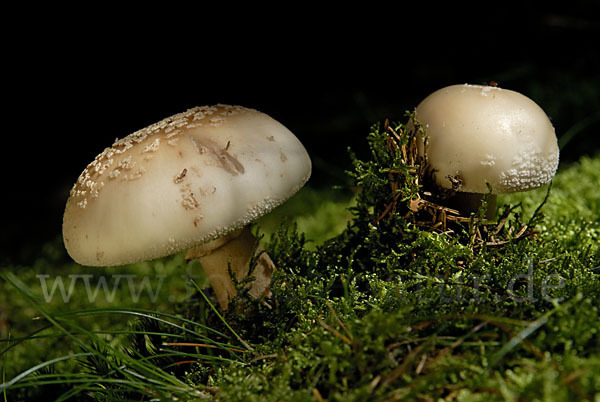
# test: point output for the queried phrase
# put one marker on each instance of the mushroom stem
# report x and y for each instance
(235, 249)
(467, 203)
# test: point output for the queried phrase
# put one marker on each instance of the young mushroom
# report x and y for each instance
(479, 135)
(193, 181)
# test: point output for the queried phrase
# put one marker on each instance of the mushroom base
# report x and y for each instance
(235, 249)
(466, 203)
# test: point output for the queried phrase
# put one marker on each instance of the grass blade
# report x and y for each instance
(239, 338)
(6, 385)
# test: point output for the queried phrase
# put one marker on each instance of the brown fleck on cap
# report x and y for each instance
(184, 181)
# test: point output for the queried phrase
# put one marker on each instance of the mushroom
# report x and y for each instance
(193, 181)
(478, 135)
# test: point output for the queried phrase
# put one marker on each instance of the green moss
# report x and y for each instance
(388, 310)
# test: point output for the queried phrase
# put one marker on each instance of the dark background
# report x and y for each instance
(72, 84)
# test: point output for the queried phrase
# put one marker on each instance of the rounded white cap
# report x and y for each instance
(184, 181)
(487, 134)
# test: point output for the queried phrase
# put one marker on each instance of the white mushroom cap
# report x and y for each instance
(484, 133)
(183, 181)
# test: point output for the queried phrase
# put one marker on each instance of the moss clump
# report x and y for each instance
(395, 307)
